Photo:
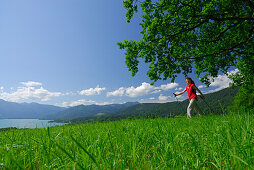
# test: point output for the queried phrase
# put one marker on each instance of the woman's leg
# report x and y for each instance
(197, 109)
(190, 107)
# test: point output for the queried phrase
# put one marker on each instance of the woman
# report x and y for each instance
(191, 90)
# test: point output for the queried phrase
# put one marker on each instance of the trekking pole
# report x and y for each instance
(176, 98)
(207, 105)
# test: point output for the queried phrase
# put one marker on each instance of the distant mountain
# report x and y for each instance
(12, 110)
(88, 111)
(215, 103)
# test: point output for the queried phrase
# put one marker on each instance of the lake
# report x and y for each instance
(27, 123)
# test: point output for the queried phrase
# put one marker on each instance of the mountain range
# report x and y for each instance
(85, 111)
(215, 103)
(12, 110)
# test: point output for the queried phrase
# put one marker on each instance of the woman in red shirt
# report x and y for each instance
(191, 90)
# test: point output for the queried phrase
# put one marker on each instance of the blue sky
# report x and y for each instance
(64, 52)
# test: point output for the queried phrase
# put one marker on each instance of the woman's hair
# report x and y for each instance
(192, 82)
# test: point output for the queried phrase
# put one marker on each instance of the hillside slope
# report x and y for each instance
(217, 103)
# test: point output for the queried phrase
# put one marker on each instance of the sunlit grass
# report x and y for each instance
(208, 141)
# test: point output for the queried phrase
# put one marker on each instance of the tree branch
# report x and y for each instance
(240, 52)
(221, 33)
(232, 48)
(240, 18)
(226, 49)
(188, 4)
(190, 29)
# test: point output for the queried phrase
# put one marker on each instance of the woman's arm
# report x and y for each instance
(195, 88)
(180, 93)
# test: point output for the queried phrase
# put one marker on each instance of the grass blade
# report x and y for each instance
(68, 154)
(86, 152)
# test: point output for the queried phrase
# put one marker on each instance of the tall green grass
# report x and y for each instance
(207, 141)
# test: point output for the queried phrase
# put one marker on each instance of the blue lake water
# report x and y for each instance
(27, 123)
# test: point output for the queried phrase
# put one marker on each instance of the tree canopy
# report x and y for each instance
(179, 35)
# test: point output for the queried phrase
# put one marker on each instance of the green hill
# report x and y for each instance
(217, 101)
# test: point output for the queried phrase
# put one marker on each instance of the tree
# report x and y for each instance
(179, 35)
(244, 100)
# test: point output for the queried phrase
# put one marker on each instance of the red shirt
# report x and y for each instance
(191, 92)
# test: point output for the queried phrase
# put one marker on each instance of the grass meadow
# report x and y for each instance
(225, 141)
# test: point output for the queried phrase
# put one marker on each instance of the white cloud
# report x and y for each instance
(31, 84)
(168, 86)
(92, 91)
(156, 91)
(105, 103)
(119, 92)
(143, 89)
(160, 99)
(83, 102)
(29, 92)
(64, 104)
(201, 86)
(69, 94)
(163, 98)
(233, 72)
(221, 81)
(180, 88)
